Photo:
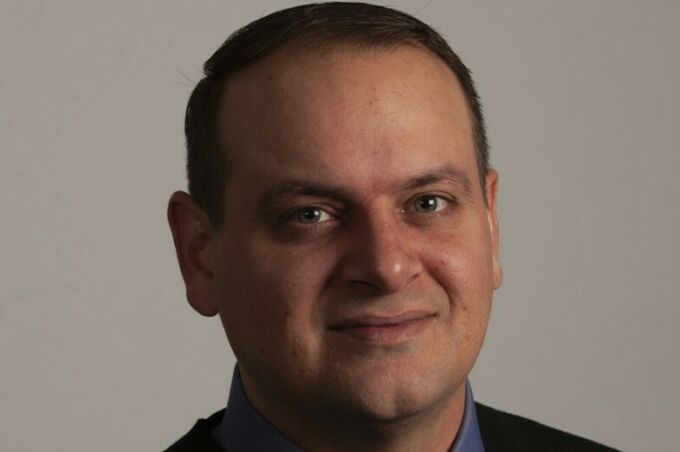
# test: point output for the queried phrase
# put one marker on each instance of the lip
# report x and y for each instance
(384, 330)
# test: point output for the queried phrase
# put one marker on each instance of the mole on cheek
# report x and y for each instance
(441, 266)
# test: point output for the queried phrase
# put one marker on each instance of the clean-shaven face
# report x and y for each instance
(357, 261)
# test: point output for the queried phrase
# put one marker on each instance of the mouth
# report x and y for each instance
(384, 330)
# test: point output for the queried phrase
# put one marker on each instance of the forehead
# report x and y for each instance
(343, 112)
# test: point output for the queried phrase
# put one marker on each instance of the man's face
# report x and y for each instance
(355, 268)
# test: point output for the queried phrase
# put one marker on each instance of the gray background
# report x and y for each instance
(98, 347)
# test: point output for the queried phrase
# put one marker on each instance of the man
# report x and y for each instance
(342, 223)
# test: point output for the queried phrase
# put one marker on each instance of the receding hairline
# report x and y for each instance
(301, 48)
(319, 26)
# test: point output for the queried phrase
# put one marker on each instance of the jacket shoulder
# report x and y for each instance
(199, 437)
(508, 432)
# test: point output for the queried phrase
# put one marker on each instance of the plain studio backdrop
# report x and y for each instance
(98, 347)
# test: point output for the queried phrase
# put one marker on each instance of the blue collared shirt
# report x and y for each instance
(244, 429)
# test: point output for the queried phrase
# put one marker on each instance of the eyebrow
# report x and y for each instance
(294, 187)
(447, 173)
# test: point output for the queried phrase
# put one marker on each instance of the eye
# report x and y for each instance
(430, 204)
(312, 215)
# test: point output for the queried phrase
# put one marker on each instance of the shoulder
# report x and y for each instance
(508, 432)
(199, 437)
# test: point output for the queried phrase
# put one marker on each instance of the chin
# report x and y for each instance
(396, 396)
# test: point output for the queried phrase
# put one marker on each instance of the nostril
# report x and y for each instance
(366, 284)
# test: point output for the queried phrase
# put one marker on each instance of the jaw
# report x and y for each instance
(394, 420)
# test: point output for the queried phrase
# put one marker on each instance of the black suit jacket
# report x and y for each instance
(501, 432)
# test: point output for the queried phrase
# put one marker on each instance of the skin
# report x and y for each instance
(355, 268)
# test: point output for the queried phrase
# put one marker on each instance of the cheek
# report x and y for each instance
(462, 267)
(278, 290)
(296, 276)
(464, 270)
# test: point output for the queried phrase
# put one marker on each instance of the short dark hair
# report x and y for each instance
(317, 25)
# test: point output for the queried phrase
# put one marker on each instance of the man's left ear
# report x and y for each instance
(491, 187)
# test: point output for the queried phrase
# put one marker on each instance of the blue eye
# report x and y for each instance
(430, 204)
(311, 215)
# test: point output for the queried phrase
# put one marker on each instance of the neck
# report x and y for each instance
(432, 429)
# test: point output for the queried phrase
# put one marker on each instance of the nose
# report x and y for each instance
(381, 258)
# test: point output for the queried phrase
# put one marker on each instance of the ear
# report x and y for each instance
(193, 235)
(491, 186)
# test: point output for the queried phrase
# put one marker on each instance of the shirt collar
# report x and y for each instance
(469, 438)
(243, 428)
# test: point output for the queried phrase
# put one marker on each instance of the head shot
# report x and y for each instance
(341, 220)
(282, 226)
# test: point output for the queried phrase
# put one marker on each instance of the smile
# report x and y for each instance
(379, 330)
